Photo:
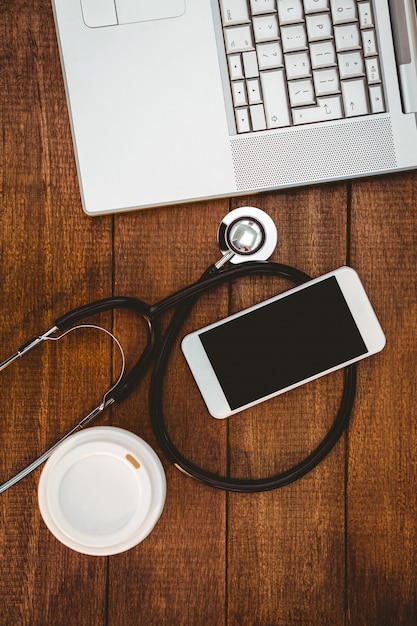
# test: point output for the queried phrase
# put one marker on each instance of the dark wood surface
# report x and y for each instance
(337, 547)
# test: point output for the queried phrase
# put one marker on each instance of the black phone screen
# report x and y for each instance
(283, 342)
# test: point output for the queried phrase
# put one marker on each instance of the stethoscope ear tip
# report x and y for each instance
(247, 233)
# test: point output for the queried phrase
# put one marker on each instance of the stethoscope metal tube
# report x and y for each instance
(27, 346)
(238, 224)
(43, 457)
(124, 386)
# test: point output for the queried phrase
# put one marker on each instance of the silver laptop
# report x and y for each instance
(173, 101)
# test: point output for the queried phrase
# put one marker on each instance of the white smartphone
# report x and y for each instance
(281, 343)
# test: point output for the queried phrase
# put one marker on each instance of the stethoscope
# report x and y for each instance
(247, 238)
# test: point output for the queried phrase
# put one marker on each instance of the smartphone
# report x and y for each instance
(281, 343)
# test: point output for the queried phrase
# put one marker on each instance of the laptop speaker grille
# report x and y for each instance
(313, 154)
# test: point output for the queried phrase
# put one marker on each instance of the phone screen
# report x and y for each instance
(283, 343)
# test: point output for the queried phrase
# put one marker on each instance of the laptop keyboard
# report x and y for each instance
(295, 62)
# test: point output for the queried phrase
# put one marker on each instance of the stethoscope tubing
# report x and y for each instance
(211, 278)
(156, 409)
(158, 349)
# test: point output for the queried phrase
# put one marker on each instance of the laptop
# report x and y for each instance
(173, 101)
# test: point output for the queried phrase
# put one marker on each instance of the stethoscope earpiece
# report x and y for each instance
(247, 233)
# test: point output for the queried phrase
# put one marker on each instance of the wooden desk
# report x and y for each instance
(337, 547)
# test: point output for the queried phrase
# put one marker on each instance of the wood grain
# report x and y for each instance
(381, 496)
(180, 569)
(336, 548)
(291, 541)
(52, 258)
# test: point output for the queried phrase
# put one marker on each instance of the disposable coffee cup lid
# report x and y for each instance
(102, 491)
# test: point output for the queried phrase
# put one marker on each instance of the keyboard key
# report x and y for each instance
(235, 66)
(297, 65)
(293, 38)
(257, 115)
(314, 6)
(365, 15)
(343, 11)
(322, 54)
(265, 28)
(301, 92)
(259, 7)
(250, 64)
(351, 65)
(355, 99)
(326, 82)
(373, 73)
(239, 93)
(254, 91)
(319, 27)
(274, 91)
(347, 37)
(238, 39)
(269, 55)
(326, 109)
(376, 98)
(290, 11)
(369, 43)
(234, 12)
(242, 120)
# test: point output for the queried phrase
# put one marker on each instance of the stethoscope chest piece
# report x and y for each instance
(247, 232)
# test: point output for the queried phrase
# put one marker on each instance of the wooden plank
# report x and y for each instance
(286, 547)
(52, 258)
(382, 506)
(177, 575)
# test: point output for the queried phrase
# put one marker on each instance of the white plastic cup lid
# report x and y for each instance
(102, 491)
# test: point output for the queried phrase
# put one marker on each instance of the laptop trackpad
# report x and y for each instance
(147, 10)
(98, 13)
